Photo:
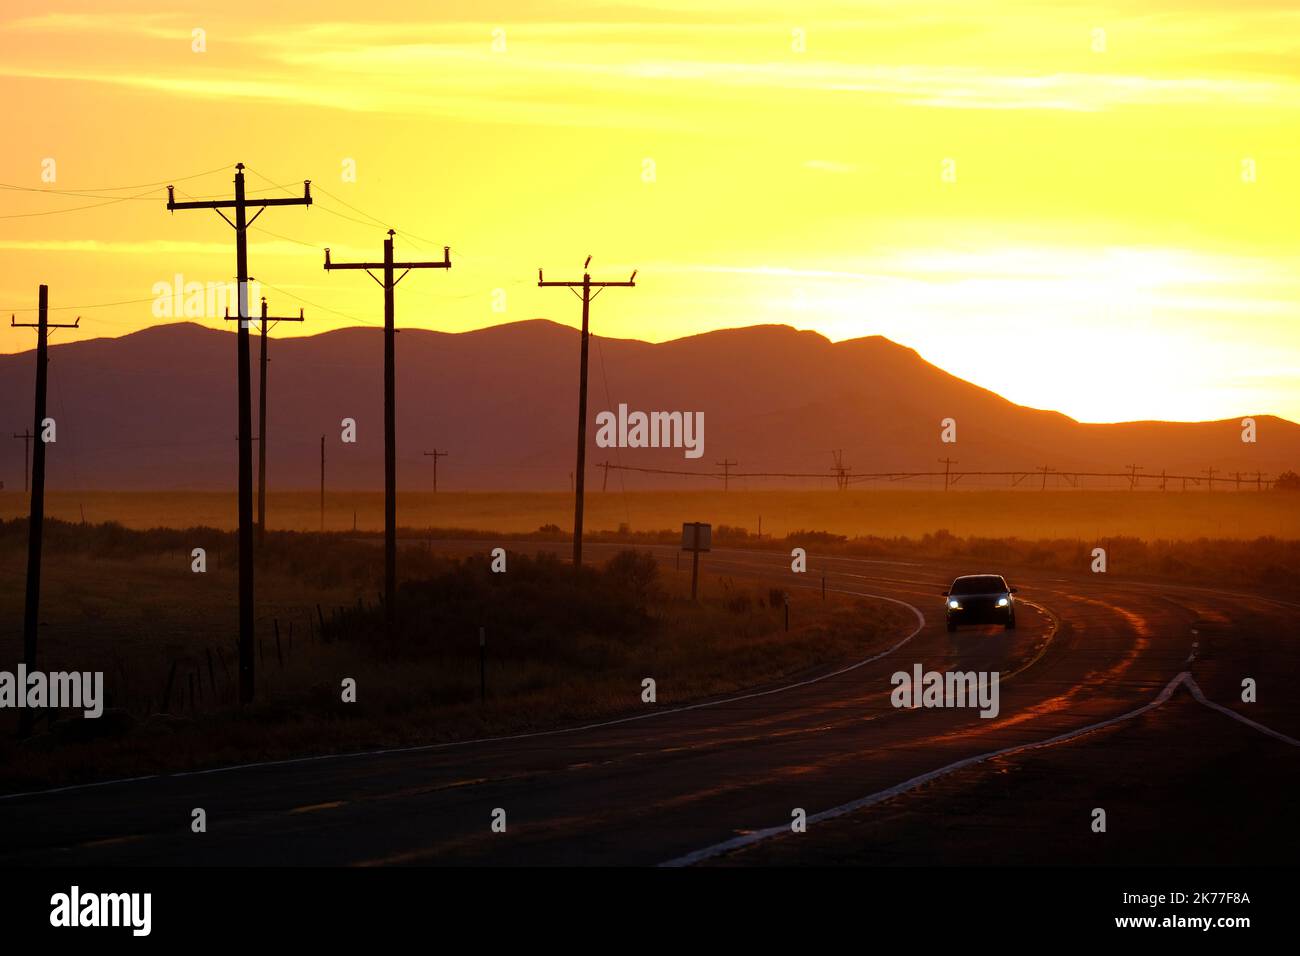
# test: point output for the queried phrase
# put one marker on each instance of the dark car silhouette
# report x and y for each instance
(980, 599)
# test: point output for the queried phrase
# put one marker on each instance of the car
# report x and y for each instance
(980, 599)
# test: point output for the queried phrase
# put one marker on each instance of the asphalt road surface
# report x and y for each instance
(719, 781)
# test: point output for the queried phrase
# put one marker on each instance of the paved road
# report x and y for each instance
(661, 788)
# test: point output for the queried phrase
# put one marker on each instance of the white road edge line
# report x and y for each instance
(757, 836)
(1195, 688)
(920, 624)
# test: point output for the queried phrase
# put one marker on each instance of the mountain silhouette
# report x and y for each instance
(156, 409)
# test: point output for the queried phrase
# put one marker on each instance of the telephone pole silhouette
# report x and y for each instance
(947, 467)
(604, 481)
(841, 470)
(261, 417)
(322, 482)
(586, 285)
(241, 204)
(1044, 469)
(36, 520)
(1133, 476)
(435, 455)
(389, 284)
(26, 436)
(1209, 472)
(726, 464)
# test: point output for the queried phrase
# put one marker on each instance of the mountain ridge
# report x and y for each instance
(155, 408)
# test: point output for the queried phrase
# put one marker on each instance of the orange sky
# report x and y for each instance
(1082, 207)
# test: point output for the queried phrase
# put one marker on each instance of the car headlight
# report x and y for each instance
(956, 606)
(1003, 602)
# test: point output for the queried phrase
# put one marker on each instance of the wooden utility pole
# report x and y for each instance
(261, 418)
(727, 464)
(322, 482)
(1209, 472)
(389, 284)
(261, 421)
(241, 204)
(26, 436)
(586, 285)
(435, 455)
(947, 467)
(36, 519)
(1044, 469)
(1133, 476)
(604, 481)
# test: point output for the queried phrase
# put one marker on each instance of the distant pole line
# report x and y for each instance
(36, 519)
(727, 464)
(586, 285)
(841, 470)
(1261, 481)
(389, 284)
(435, 455)
(241, 204)
(261, 420)
(947, 467)
(26, 436)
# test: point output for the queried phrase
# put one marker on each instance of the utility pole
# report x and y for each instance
(1209, 484)
(1259, 481)
(36, 519)
(261, 418)
(841, 470)
(1132, 476)
(1237, 475)
(389, 284)
(322, 482)
(261, 421)
(726, 464)
(1044, 469)
(586, 285)
(947, 465)
(26, 436)
(435, 455)
(604, 482)
(1162, 479)
(241, 204)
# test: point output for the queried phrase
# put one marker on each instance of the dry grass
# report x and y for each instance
(137, 609)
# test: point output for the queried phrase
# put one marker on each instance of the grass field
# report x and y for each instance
(1026, 514)
(559, 650)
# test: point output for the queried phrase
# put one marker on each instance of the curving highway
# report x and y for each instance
(717, 781)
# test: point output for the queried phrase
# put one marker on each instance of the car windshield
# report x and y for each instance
(979, 584)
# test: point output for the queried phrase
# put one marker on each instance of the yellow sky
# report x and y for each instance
(1076, 205)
